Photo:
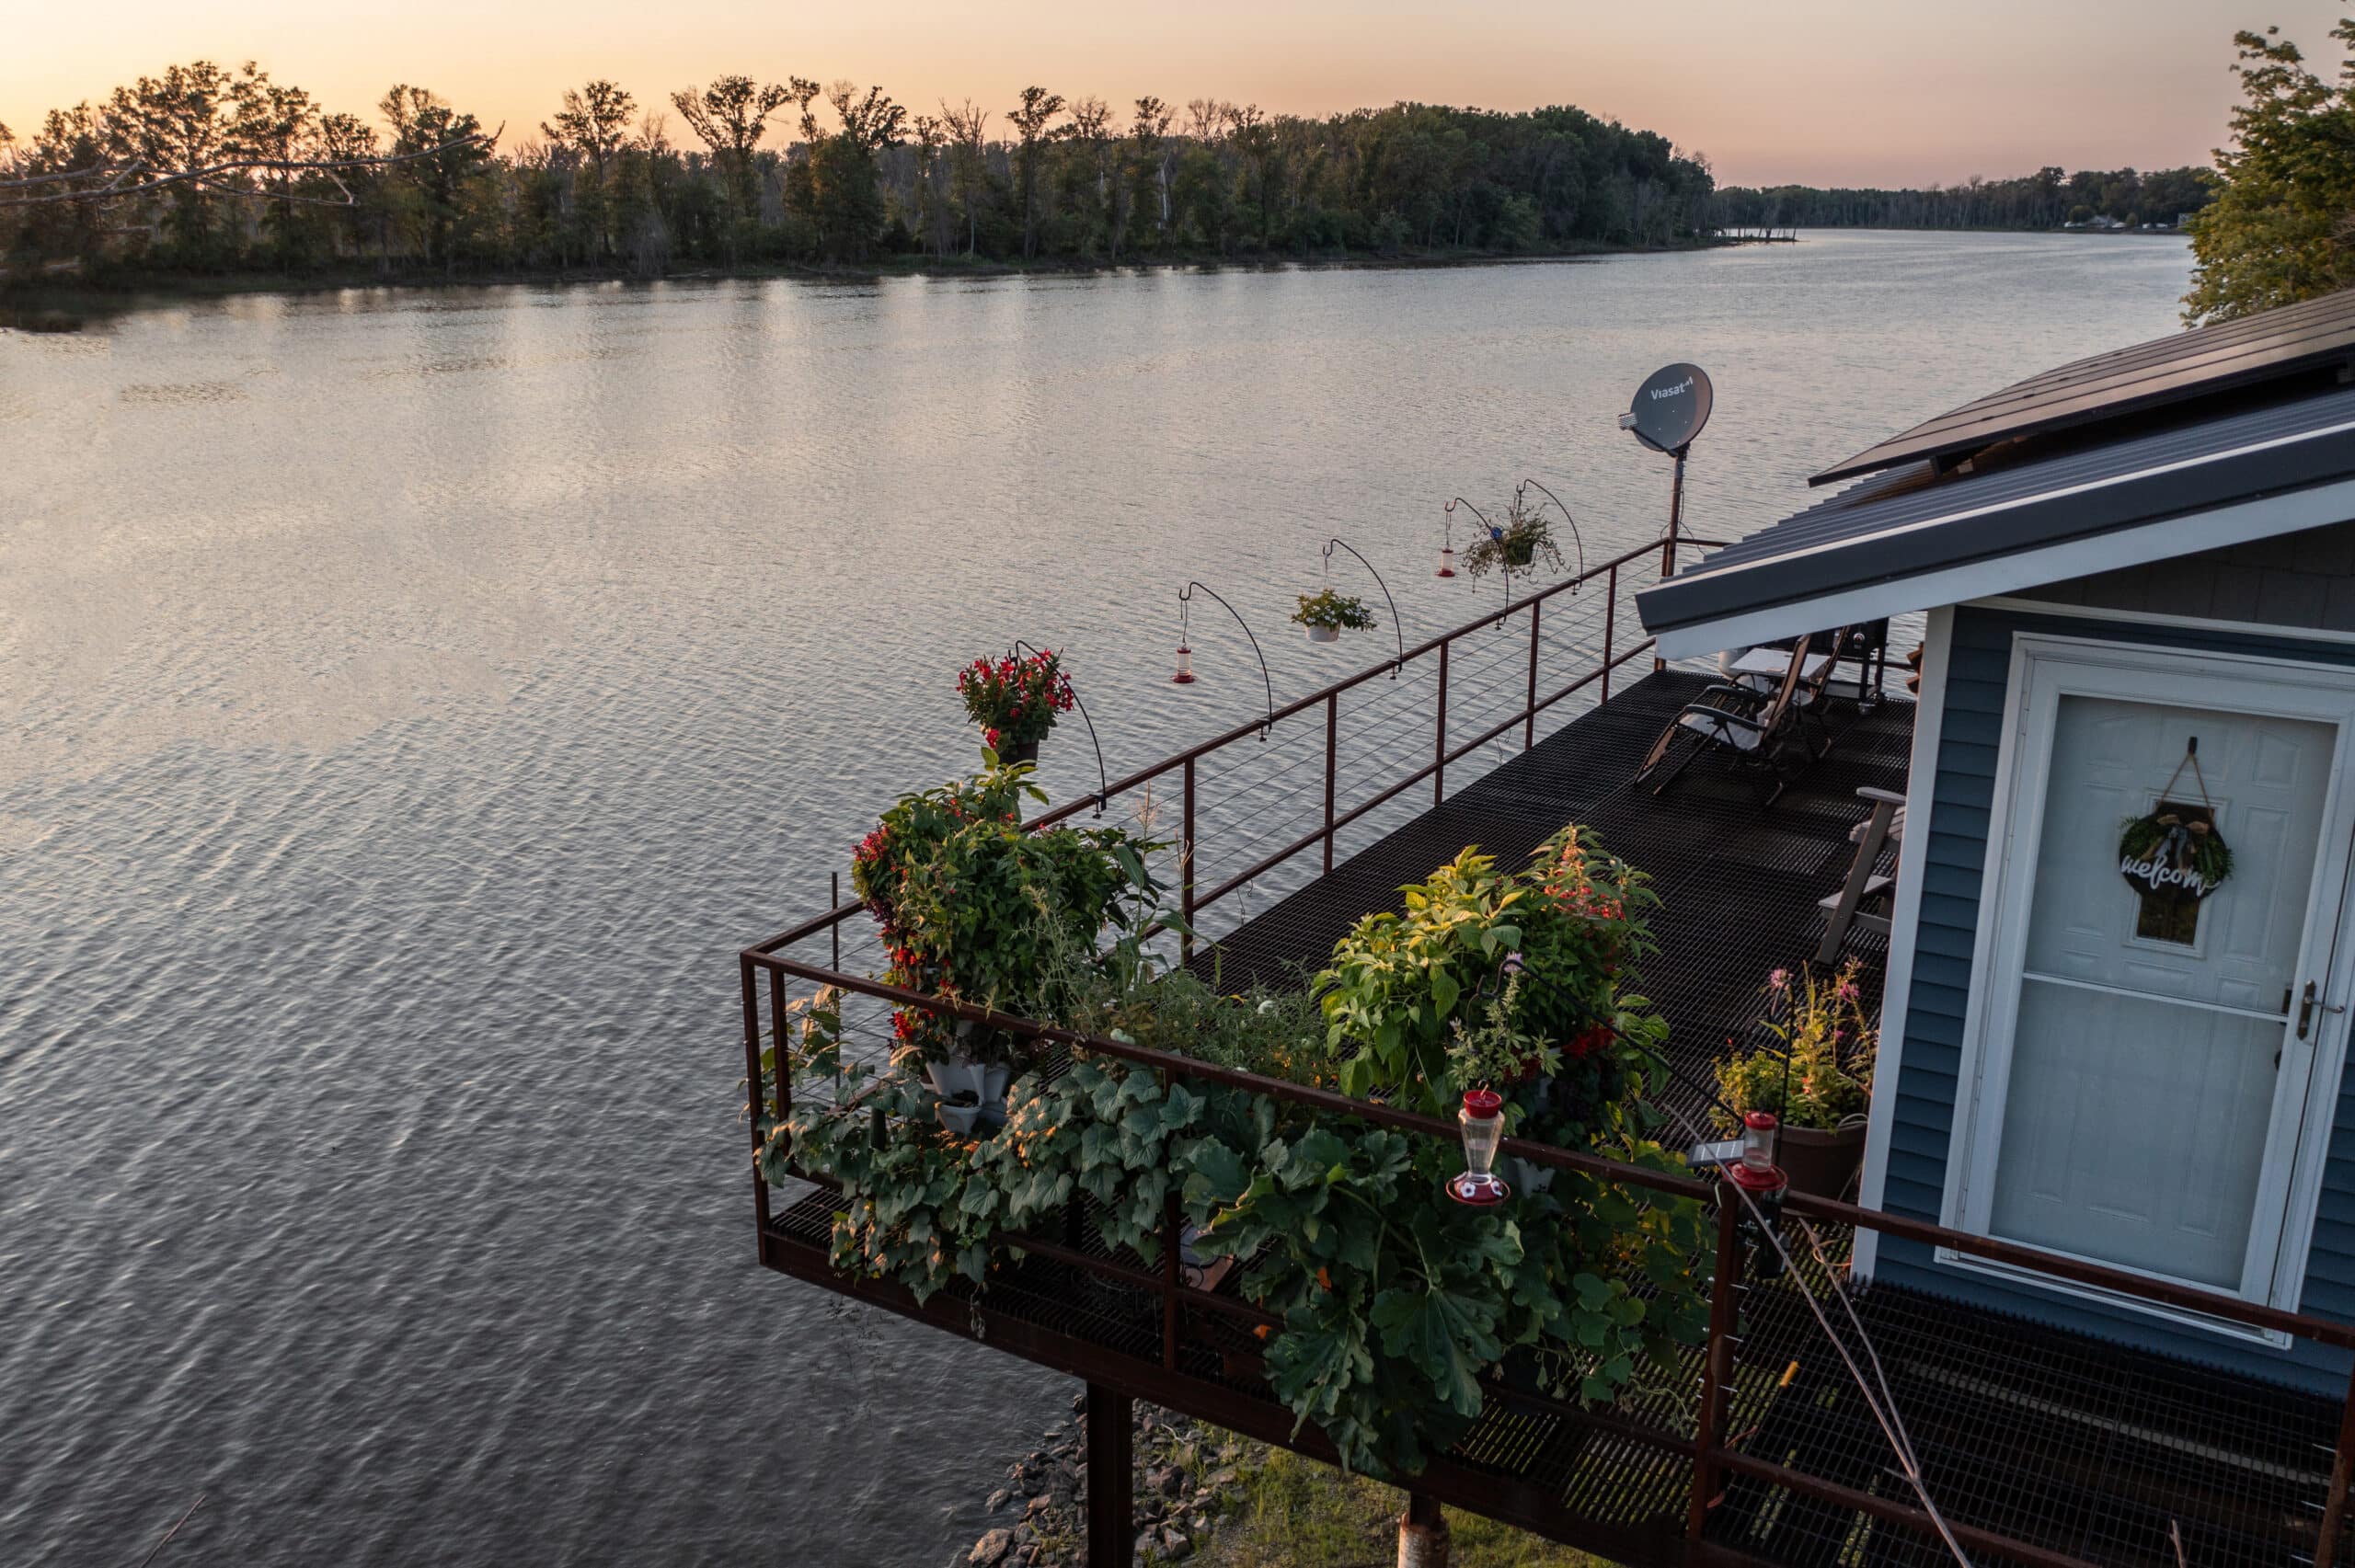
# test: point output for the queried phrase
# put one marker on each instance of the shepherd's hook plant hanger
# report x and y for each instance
(1494, 532)
(1185, 676)
(1103, 780)
(1576, 538)
(1330, 544)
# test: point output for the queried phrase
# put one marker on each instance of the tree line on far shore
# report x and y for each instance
(2049, 198)
(745, 171)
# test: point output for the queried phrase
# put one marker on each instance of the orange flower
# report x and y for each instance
(1262, 1331)
(1323, 1280)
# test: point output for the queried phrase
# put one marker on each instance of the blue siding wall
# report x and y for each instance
(1927, 1088)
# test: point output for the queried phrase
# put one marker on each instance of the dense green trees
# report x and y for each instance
(2045, 199)
(2284, 217)
(603, 186)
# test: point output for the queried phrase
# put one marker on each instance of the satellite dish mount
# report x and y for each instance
(1668, 411)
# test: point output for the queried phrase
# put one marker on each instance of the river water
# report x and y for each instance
(412, 699)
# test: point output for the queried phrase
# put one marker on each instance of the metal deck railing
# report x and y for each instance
(1766, 1450)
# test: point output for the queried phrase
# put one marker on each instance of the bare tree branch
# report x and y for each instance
(209, 177)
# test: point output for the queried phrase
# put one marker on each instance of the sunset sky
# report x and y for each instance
(1887, 92)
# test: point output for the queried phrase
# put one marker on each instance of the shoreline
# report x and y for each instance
(23, 303)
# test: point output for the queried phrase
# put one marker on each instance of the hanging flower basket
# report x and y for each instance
(1327, 614)
(2174, 856)
(1016, 701)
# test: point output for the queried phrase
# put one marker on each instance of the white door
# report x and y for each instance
(2142, 1084)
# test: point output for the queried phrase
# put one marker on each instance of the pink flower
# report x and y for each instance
(1780, 979)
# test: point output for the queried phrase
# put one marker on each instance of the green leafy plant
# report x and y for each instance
(1496, 1053)
(1392, 1302)
(904, 1217)
(976, 908)
(1515, 546)
(1822, 1075)
(1395, 1301)
(1341, 612)
(1398, 982)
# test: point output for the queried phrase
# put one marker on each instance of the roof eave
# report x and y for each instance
(1867, 579)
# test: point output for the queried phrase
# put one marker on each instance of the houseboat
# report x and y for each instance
(2091, 1297)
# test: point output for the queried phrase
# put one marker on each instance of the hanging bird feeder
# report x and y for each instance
(1482, 1121)
(1185, 675)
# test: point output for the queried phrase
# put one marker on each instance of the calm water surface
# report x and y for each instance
(412, 700)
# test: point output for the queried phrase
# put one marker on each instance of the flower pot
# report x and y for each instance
(1324, 634)
(1520, 551)
(1015, 751)
(949, 1079)
(1821, 1161)
(1525, 1177)
(959, 1119)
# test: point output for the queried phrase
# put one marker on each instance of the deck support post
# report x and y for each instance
(1423, 1533)
(1111, 1521)
(2342, 1467)
(1716, 1362)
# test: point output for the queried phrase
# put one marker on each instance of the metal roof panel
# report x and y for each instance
(2251, 350)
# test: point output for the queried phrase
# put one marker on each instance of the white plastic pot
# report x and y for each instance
(1324, 634)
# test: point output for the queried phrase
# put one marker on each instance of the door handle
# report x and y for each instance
(2306, 1009)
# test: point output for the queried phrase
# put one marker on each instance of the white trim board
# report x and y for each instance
(2213, 529)
(1905, 920)
(2244, 682)
(2272, 631)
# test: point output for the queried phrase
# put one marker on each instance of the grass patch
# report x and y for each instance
(1295, 1513)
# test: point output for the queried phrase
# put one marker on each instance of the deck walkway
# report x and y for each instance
(1738, 878)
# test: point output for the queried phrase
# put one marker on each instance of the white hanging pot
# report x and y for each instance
(1324, 634)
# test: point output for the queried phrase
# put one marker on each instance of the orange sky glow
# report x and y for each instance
(1825, 92)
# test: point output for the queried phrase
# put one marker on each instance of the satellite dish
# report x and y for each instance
(1669, 408)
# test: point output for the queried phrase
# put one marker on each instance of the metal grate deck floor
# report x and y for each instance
(1738, 878)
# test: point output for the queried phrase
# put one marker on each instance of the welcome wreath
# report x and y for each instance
(2173, 853)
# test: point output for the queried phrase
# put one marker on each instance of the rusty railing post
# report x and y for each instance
(1111, 1521)
(2341, 1464)
(1439, 773)
(1173, 1237)
(1186, 868)
(834, 884)
(1716, 1362)
(1529, 729)
(1332, 760)
(752, 1103)
(1610, 621)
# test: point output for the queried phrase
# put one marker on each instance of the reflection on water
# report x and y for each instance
(414, 698)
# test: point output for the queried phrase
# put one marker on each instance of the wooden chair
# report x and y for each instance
(1846, 909)
(1758, 727)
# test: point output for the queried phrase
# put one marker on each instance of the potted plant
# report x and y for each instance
(1816, 1077)
(975, 907)
(1514, 546)
(1016, 701)
(1327, 614)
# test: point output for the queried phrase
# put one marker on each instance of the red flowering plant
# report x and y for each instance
(974, 907)
(1016, 699)
(1519, 982)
